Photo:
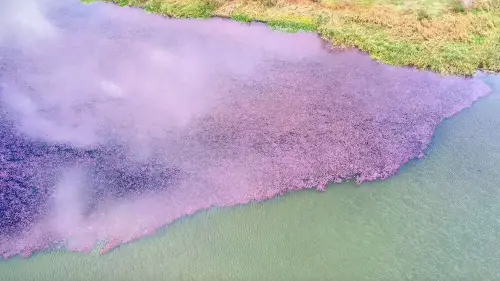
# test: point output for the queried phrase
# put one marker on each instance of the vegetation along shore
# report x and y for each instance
(445, 36)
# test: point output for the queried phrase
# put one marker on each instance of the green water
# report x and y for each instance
(439, 219)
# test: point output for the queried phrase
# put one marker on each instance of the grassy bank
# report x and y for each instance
(446, 36)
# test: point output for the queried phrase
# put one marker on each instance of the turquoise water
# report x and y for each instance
(438, 219)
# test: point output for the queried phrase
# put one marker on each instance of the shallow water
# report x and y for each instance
(436, 220)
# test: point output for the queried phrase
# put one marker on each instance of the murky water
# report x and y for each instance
(436, 220)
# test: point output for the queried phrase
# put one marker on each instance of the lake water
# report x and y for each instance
(437, 219)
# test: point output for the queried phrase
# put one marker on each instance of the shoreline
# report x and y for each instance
(442, 40)
(358, 134)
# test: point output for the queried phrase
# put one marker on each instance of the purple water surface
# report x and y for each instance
(115, 123)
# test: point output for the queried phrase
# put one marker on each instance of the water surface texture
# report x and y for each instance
(115, 123)
(436, 220)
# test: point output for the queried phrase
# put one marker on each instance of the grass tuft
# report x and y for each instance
(423, 15)
(293, 25)
(241, 18)
(460, 6)
(190, 9)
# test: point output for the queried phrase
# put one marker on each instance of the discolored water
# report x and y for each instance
(116, 124)
(436, 220)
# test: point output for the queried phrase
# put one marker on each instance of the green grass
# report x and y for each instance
(191, 9)
(293, 25)
(241, 18)
(439, 35)
(176, 9)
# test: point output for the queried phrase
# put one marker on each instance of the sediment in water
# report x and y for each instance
(119, 123)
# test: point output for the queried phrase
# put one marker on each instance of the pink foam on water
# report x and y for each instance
(244, 112)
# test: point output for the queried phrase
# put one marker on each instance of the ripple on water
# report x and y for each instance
(138, 120)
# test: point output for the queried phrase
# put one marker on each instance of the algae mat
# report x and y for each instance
(436, 220)
(93, 147)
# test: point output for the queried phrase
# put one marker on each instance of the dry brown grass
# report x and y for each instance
(487, 5)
